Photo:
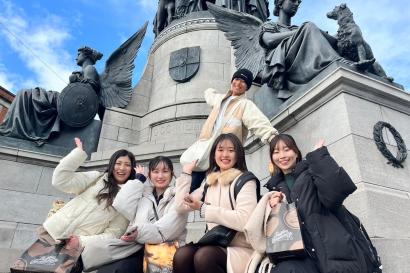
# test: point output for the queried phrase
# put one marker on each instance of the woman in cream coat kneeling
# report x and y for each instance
(227, 164)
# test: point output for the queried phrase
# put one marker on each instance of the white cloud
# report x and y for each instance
(5, 79)
(39, 45)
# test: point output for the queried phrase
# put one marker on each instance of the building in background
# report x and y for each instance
(6, 97)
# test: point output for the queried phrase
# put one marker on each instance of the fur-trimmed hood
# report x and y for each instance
(225, 177)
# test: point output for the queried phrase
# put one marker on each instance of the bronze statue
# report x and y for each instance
(164, 15)
(282, 55)
(171, 10)
(86, 59)
(258, 8)
(35, 113)
(350, 42)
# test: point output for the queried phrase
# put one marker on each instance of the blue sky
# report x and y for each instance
(39, 38)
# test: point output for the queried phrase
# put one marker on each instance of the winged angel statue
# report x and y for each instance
(36, 113)
(282, 55)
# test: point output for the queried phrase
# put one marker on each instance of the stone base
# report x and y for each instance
(266, 98)
(59, 144)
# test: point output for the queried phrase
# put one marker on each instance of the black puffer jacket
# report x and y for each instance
(320, 188)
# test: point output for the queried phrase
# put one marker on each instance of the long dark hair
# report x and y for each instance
(111, 188)
(153, 163)
(289, 142)
(239, 153)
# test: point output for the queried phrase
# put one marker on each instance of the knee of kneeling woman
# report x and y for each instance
(183, 259)
(210, 259)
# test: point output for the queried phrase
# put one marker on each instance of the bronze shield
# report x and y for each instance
(184, 63)
(77, 104)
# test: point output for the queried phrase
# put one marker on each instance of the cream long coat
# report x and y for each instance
(82, 216)
(219, 211)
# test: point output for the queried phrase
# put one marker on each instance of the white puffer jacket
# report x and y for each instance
(83, 216)
(143, 213)
(136, 202)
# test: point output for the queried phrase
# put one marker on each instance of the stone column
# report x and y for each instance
(163, 111)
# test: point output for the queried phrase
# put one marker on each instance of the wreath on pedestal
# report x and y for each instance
(401, 156)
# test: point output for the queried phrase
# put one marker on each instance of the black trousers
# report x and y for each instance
(131, 264)
(197, 178)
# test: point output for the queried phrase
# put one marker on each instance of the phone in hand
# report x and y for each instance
(188, 199)
(130, 232)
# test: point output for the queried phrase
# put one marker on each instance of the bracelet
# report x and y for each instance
(190, 174)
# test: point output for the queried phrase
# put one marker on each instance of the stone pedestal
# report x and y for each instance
(163, 114)
(342, 108)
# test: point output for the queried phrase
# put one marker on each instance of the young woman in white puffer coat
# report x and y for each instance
(89, 216)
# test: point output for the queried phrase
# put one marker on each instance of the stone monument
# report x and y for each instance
(41, 116)
(341, 103)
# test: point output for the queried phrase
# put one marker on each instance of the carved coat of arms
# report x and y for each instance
(184, 63)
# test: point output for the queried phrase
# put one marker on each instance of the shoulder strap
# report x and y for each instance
(241, 181)
(155, 211)
(156, 216)
(368, 247)
(206, 186)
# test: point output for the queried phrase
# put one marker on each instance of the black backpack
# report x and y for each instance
(354, 226)
(242, 180)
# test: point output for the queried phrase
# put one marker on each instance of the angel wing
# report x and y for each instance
(116, 90)
(243, 31)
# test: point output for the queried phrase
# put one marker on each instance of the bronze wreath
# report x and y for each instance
(381, 145)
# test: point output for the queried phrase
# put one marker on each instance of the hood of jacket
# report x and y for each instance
(225, 177)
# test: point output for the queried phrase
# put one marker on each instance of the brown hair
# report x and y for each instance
(289, 142)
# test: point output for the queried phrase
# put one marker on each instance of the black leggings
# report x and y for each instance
(195, 259)
(131, 264)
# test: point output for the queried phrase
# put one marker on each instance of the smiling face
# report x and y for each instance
(122, 169)
(160, 176)
(225, 155)
(238, 87)
(284, 157)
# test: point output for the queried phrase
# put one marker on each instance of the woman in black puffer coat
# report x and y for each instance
(318, 186)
